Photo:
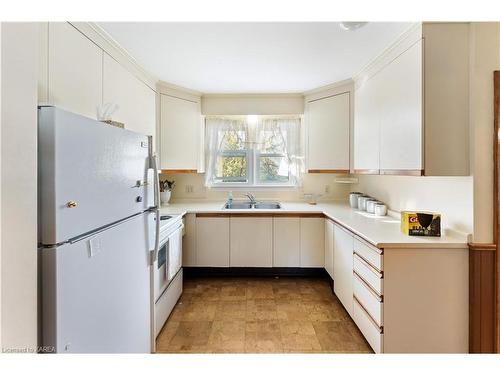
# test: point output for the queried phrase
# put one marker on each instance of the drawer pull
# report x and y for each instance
(380, 329)
(377, 296)
(370, 246)
(369, 265)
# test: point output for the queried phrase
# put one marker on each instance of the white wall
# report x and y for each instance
(0, 184)
(313, 183)
(252, 104)
(450, 196)
(19, 69)
(485, 58)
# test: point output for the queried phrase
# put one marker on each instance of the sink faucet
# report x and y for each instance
(251, 198)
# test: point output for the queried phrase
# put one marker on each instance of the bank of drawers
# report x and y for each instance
(368, 291)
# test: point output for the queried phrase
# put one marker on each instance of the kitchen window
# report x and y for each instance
(253, 151)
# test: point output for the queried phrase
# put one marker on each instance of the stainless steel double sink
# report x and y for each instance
(251, 205)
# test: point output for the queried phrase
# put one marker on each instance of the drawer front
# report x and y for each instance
(371, 254)
(369, 299)
(167, 301)
(368, 274)
(373, 334)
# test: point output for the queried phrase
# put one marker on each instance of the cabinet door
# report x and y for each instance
(136, 101)
(189, 242)
(75, 70)
(286, 242)
(180, 133)
(328, 133)
(312, 242)
(212, 241)
(342, 266)
(401, 122)
(251, 242)
(329, 247)
(367, 126)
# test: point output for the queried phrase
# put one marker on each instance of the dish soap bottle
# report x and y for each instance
(230, 198)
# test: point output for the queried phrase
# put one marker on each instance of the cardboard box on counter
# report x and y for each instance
(421, 223)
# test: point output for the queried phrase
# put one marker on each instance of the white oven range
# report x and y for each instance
(167, 269)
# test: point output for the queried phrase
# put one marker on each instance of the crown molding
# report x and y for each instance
(106, 42)
(331, 86)
(254, 95)
(409, 37)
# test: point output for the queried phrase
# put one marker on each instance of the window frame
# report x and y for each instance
(249, 168)
(253, 168)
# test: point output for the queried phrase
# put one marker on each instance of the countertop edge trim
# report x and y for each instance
(380, 245)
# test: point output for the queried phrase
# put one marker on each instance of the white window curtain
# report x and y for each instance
(265, 152)
(216, 130)
(278, 139)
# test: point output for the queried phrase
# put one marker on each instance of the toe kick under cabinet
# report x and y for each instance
(411, 300)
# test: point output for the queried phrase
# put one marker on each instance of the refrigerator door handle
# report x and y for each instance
(154, 165)
(154, 252)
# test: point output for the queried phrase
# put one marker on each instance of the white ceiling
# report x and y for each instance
(252, 57)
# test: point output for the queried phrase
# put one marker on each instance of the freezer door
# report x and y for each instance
(96, 292)
(91, 174)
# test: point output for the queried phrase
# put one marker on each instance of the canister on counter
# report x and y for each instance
(370, 205)
(353, 198)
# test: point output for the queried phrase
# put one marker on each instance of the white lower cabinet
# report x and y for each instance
(329, 247)
(312, 242)
(372, 332)
(286, 242)
(189, 241)
(212, 241)
(251, 242)
(369, 299)
(342, 266)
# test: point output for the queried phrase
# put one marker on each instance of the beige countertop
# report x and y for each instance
(383, 232)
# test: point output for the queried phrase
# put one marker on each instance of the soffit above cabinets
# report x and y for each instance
(252, 57)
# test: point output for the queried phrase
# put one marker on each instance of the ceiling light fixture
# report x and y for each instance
(351, 26)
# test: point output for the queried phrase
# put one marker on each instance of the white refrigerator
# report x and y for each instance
(99, 232)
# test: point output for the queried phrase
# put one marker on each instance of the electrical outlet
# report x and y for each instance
(327, 189)
(189, 189)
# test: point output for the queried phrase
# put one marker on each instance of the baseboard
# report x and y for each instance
(191, 272)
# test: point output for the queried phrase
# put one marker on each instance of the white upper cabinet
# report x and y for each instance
(74, 70)
(367, 126)
(181, 134)
(411, 110)
(136, 101)
(401, 116)
(328, 128)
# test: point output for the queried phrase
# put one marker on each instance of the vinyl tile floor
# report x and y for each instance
(259, 315)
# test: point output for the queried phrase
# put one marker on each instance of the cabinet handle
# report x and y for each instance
(367, 286)
(374, 269)
(370, 246)
(370, 318)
